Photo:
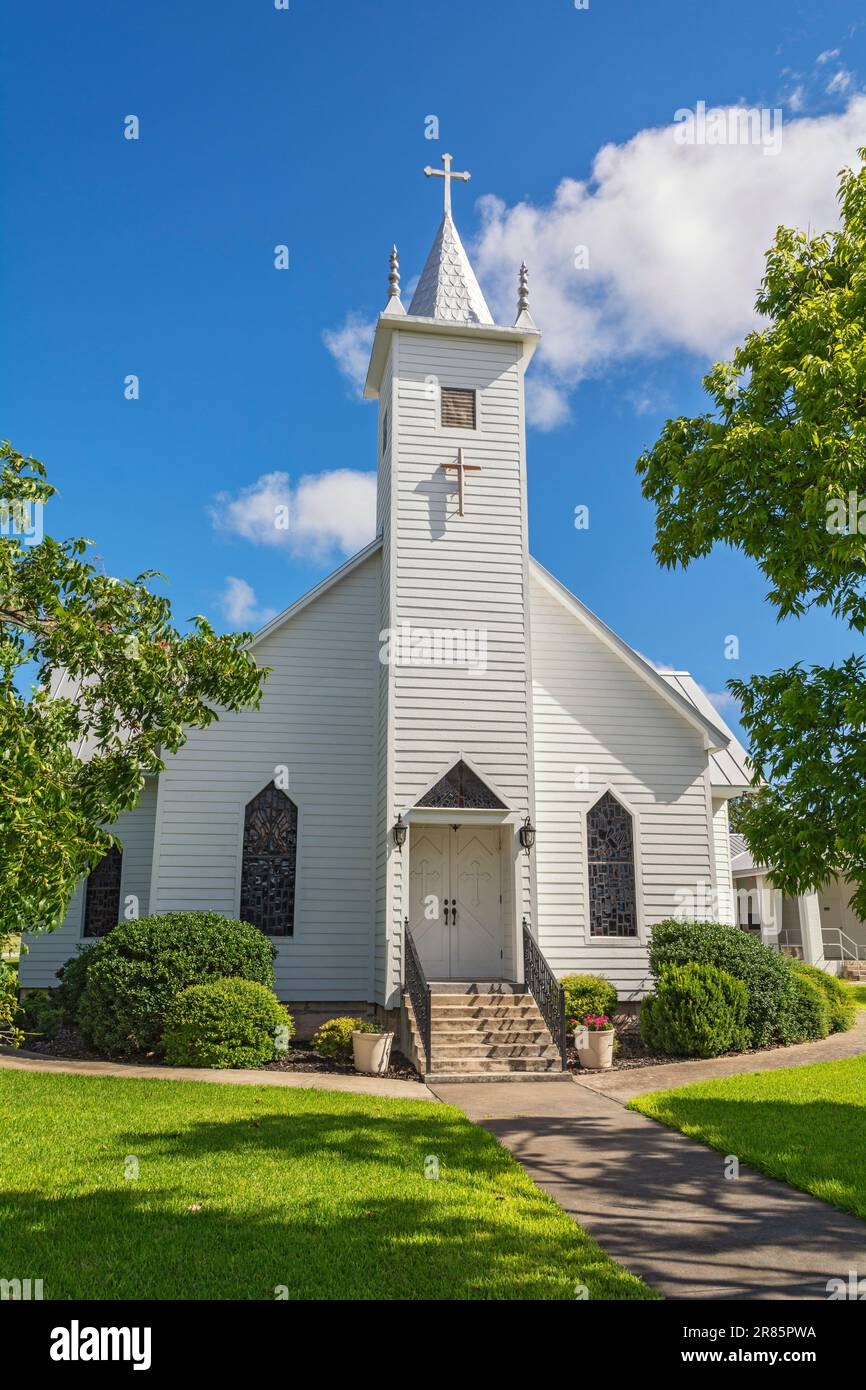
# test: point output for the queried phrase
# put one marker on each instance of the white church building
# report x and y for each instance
(456, 766)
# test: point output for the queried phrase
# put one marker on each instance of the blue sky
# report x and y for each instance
(306, 127)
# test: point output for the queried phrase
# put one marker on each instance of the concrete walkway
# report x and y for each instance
(14, 1059)
(659, 1203)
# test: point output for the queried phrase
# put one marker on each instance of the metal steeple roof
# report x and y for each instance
(448, 288)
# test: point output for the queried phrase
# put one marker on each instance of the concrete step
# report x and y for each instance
(446, 1036)
(459, 1066)
(437, 1078)
(451, 1051)
(484, 1011)
(471, 987)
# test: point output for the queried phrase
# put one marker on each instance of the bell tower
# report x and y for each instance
(454, 672)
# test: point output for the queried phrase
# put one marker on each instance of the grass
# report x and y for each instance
(805, 1125)
(857, 992)
(246, 1189)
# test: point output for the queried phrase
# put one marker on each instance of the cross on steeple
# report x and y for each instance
(447, 174)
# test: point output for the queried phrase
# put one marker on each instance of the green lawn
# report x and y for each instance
(857, 992)
(242, 1189)
(806, 1125)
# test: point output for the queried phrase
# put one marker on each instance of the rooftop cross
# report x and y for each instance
(447, 175)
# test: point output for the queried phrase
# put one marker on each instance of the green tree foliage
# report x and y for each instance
(118, 686)
(777, 469)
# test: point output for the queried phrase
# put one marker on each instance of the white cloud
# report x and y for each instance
(239, 604)
(324, 513)
(841, 81)
(828, 55)
(720, 699)
(350, 348)
(676, 236)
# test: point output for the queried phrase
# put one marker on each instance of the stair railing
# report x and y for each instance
(851, 951)
(416, 986)
(546, 990)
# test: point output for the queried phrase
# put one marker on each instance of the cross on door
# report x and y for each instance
(425, 876)
(462, 468)
(475, 871)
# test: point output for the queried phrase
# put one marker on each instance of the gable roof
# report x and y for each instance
(729, 766)
(714, 732)
(448, 288)
(316, 592)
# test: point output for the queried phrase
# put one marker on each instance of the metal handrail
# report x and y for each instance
(854, 951)
(416, 986)
(546, 990)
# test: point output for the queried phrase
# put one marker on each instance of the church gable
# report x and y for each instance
(462, 789)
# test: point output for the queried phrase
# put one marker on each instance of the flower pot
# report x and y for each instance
(596, 1050)
(372, 1051)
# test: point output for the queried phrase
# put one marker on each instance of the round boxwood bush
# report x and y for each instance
(334, 1038)
(768, 976)
(697, 1011)
(588, 994)
(141, 966)
(842, 1011)
(809, 1018)
(226, 1023)
(73, 978)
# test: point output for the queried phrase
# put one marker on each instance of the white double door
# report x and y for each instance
(455, 895)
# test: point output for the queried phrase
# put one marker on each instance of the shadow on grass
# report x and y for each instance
(327, 1205)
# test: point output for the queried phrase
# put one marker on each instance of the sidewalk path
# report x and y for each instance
(13, 1059)
(659, 1203)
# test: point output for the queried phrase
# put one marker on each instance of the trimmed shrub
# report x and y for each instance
(588, 994)
(841, 1007)
(768, 976)
(73, 979)
(697, 1011)
(334, 1038)
(809, 1018)
(226, 1023)
(41, 1015)
(142, 966)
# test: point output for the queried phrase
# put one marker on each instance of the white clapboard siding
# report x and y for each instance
(47, 951)
(456, 572)
(386, 956)
(598, 724)
(318, 718)
(724, 881)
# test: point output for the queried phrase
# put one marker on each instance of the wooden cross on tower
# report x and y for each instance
(447, 175)
(462, 468)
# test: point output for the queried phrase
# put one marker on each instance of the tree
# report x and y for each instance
(117, 686)
(777, 469)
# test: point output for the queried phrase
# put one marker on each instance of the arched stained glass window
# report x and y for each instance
(102, 895)
(610, 855)
(270, 855)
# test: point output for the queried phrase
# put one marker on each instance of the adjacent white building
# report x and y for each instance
(441, 686)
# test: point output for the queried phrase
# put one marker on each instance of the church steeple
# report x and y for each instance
(448, 288)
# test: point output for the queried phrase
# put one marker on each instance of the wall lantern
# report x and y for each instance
(527, 835)
(400, 832)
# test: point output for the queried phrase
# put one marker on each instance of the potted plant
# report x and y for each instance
(371, 1048)
(595, 1046)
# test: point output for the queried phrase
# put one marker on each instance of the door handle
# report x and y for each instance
(446, 913)
(454, 911)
